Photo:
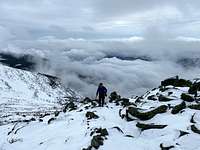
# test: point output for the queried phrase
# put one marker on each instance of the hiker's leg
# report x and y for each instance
(99, 100)
(103, 101)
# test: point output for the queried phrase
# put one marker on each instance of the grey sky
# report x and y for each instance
(26, 19)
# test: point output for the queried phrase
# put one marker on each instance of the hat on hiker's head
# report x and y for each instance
(100, 84)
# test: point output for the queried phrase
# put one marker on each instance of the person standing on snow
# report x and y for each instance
(102, 93)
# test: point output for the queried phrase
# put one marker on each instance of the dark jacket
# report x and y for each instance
(101, 91)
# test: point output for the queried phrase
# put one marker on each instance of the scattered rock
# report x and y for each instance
(143, 126)
(178, 108)
(146, 115)
(187, 97)
(91, 115)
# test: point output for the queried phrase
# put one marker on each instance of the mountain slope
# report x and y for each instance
(24, 91)
(164, 118)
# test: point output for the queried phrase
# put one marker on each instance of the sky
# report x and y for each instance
(98, 40)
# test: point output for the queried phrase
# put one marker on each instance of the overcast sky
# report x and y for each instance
(83, 34)
(33, 19)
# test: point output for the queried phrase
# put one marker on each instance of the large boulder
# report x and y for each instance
(133, 111)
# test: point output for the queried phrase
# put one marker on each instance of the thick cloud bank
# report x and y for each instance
(128, 65)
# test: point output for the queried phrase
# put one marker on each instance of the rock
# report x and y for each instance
(170, 93)
(182, 133)
(178, 108)
(146, 115)
(187, 97)
(89, 148)
(176, 82)
(102, 132)
(97, 141)
(143, 126)
(69, 106)
(163, 88)
(114, 96)
(192, 119)
(124, 102)
(166, 148)
(194, 106)
(118, 129)
(50, 120)
(195, 129)
(152, 97)
(163, 98)
(91, 115)
(32, 119)
(56, 113)
(194, 88)
(129, 136)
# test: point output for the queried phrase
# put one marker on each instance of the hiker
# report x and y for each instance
(102, 93)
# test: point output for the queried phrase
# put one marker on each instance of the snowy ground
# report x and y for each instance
(72, 130)
(24, 91)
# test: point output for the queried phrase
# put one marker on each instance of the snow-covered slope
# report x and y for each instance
(163, 118)
(24, 91)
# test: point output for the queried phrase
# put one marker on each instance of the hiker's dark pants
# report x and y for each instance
(101, 100)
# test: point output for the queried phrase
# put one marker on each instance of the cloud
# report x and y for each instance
(87, 42)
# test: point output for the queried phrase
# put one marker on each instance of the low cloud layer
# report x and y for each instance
(129, 45)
